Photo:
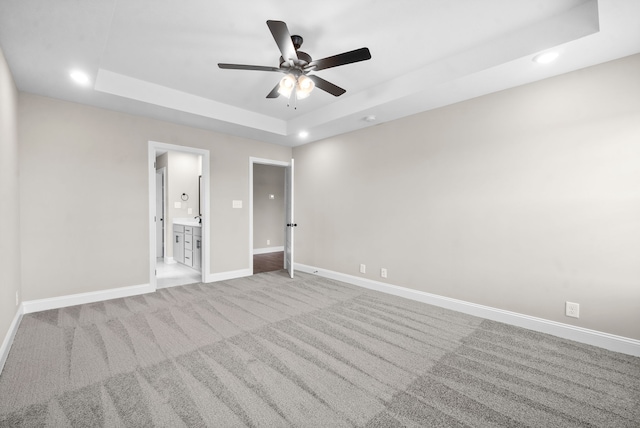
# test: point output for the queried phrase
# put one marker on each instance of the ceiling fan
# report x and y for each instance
(297, 65)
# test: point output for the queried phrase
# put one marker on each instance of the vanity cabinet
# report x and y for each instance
(187, 245)
(178, 243)
(197, 248)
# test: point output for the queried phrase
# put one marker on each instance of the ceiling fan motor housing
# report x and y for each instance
(303, 58)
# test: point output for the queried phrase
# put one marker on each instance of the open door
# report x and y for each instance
(159, 214)
(288, 238)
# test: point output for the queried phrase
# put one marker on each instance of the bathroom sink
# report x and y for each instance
(186, 221)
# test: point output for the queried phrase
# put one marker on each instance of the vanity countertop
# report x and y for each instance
(187, 222)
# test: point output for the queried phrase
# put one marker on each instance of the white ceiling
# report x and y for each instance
(158, 58)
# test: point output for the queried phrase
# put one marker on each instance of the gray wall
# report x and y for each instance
(518, 200)
(84, 195)
(268, 214)
(9, 200)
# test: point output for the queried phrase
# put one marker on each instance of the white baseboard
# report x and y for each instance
(114, 293)
(82, 298)
(267, 250)
(591, 337)
(8, 338)
(224, 276)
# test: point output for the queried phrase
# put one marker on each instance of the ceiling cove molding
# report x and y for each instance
(140, 90)
(578, 22)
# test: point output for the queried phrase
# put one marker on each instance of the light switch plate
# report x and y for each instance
(237, 204)
(177, 205)
(189, 210)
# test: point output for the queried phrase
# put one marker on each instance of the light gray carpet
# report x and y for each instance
(271, 351)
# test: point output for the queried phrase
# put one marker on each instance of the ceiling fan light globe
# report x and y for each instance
(287, 84)
(304, 87)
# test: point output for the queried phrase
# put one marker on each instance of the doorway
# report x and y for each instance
(181, 221)
(268, 217)
(271, 215)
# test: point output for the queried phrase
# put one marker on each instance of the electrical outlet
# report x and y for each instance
(363, 268)
(17, 298)
(383, 272)
(572, 310)
(268, 241)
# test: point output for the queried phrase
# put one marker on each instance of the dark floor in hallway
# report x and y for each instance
(268, 262)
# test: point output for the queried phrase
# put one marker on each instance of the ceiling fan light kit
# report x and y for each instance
(302, 86)
(297, 65)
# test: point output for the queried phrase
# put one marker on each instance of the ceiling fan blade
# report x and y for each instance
(274, 92)
(357, 55)
(282, 37)
(327, 86)
(247, 67)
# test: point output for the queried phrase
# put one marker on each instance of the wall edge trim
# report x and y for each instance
(600, 339)
(232, 274)
(267, 250)
(8, 338)
(38, 305)
(31, 306)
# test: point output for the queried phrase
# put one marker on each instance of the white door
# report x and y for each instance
(290, 225)
(159, 215)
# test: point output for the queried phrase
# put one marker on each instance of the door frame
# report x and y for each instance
(153, 148)
(163, 172)
(252, 162)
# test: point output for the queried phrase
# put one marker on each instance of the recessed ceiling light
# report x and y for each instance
(546, 57)
(80, 77)
(303, 134)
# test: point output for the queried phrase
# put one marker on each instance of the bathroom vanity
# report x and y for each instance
(187, 242)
